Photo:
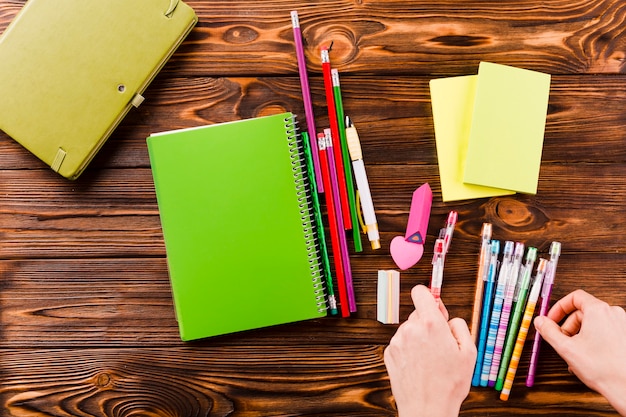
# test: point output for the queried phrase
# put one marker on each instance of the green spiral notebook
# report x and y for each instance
(238, 225)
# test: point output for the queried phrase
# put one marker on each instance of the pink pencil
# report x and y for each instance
(343, 243)
(306, 98)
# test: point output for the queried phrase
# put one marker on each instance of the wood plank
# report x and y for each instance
(88, 324)
(46, 217)
(299, 381)
(127, 302)
(404, 37)
(582, 109)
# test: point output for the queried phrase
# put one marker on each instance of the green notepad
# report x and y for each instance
(453, 106)
(238, 226)
(508, 123)
(70, 70)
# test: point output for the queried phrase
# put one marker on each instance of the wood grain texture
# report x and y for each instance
(87, 323)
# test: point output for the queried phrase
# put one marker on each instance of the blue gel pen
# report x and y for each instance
(494, 322)
(494, 249)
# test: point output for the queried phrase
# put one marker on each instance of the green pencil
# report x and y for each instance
(332, 301)
(347, 165)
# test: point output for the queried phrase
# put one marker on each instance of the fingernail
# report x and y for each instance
(539, 321)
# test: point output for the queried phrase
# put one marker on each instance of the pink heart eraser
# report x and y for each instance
(405, 254)
(419, 213)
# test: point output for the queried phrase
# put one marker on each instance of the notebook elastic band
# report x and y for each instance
(58, 160)
(170, 10)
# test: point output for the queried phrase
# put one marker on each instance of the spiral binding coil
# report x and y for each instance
(307, 209)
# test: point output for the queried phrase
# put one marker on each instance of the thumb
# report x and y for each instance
(550, 332)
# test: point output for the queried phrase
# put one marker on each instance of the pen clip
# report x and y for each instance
(359, 212)
(486, 261)
(548, 280)
(438, 250)
(525, 273)
(448, 230)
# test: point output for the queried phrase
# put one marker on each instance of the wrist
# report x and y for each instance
(617, 401)
(441, 408)
(614, 391)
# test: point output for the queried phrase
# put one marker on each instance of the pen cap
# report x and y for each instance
(531, 256)
(373, 236)
(508, 249)
(526, 271)
(438, 250)
(541, 270)
(354, 144)
(449, 230)
(548, 280)
(486, 232)
(494, 248)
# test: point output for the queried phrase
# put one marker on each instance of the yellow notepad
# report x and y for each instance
(70, 70)
(239, 225)
(507, 129)
(452, 102)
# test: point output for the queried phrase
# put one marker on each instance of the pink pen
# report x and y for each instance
(448, 230)
(436, 279)
(546, 291)
(442, 244)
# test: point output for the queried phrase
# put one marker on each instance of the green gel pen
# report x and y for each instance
(520, 303)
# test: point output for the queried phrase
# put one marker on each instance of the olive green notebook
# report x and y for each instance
(70, 70)
(238, 224)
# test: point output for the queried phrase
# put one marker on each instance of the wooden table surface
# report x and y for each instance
(87, 322)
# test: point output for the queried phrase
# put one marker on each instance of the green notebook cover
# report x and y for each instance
(70, 70)
(238, 225)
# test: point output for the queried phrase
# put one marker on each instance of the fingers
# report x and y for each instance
(444, 310)
(461, 333)
(576, 300)
(572, 323)
(425, 303)
(551, 332)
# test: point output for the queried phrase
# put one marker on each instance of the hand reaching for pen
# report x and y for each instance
(430, 360)
(592, 340)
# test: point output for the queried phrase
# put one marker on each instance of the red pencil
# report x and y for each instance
(334, 229)
(334, 127)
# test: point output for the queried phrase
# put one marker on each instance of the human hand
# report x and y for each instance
(592, 340)
(430, 360)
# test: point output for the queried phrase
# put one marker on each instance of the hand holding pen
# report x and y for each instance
(591, 340)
